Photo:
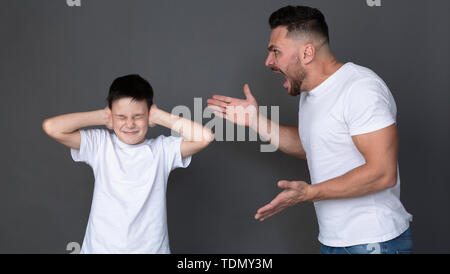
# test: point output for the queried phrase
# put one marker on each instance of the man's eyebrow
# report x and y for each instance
(271, 47)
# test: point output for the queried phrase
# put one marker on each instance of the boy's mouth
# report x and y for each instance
(130, 132)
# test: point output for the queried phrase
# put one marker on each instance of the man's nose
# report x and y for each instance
(269, 60)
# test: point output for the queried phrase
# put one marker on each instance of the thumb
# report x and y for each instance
(284, 184)
(248, 93)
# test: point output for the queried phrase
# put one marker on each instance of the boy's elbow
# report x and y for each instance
(208, 137)
(47, 126)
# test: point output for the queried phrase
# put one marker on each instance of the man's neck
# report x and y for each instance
(319, 72)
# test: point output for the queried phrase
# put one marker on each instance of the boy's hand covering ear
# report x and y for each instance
(108, 118)
(152, 115)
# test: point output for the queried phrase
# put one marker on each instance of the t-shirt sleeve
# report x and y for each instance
(91, 140)
(369, 106)
(172, 150)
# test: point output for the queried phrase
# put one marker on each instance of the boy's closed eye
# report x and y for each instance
(121, 117)
(137, 116)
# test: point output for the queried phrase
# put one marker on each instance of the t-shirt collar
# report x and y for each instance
(322, 87)
(126, 146)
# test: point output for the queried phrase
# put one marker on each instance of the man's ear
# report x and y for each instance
(307, 53)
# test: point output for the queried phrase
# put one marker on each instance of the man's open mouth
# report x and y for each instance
(286, 81)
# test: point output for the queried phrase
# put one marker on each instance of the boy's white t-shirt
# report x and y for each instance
(128, 212)
(353, 100)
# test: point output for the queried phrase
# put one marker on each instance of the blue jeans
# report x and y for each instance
(400, 245)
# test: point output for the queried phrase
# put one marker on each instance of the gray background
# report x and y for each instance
(56, 59)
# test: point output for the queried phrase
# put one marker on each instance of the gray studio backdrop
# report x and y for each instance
(57, 59)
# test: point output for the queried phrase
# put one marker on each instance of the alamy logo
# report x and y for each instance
(238, 115)
(373, 3)
(73, 3)
(74, 247)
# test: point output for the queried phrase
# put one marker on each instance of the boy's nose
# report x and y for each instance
(130, 123)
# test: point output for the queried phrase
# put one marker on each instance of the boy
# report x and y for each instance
(128, 212)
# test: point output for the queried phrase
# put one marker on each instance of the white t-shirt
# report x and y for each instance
(128, 212)
(353, 100)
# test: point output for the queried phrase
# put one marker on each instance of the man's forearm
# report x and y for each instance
(357, 182)
(190, 130)
(68, 123)
(285, 138)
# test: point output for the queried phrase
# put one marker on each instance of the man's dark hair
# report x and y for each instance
(133, 86)
(300, 19)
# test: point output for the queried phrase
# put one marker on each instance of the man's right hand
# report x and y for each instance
(245, 112)
(239, 111)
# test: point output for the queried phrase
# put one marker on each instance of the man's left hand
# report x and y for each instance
(294, 192)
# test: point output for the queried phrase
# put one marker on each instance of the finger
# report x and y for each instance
(273, 204)
(217, 108)
(217, 102)
(284, 184)
(264, 209)
(238, 118)
(259, 216)
(247, 92)
(225, 99)
(269, 206)
(269, 214)
(264, 215)
(217, 113)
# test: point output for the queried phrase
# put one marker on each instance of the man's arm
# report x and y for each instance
(286, 138)
(245, 113)
(65, 128)
(196, 136)
(379, 148)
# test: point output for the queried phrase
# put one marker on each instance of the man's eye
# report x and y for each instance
(276, 52)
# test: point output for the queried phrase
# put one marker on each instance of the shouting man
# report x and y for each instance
(346, 131)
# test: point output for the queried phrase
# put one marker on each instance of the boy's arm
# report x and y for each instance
(196, 136)
(65, 128)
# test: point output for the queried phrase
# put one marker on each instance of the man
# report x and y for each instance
(346, 132)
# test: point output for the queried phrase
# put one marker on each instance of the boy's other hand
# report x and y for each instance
(108, 118)
(152, 115)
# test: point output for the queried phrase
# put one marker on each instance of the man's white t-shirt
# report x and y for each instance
(128, 212)
(353, 100)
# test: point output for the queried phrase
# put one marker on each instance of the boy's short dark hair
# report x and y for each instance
(133, 86)
(300, 19)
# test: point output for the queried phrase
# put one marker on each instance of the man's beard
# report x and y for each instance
(296, 84)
